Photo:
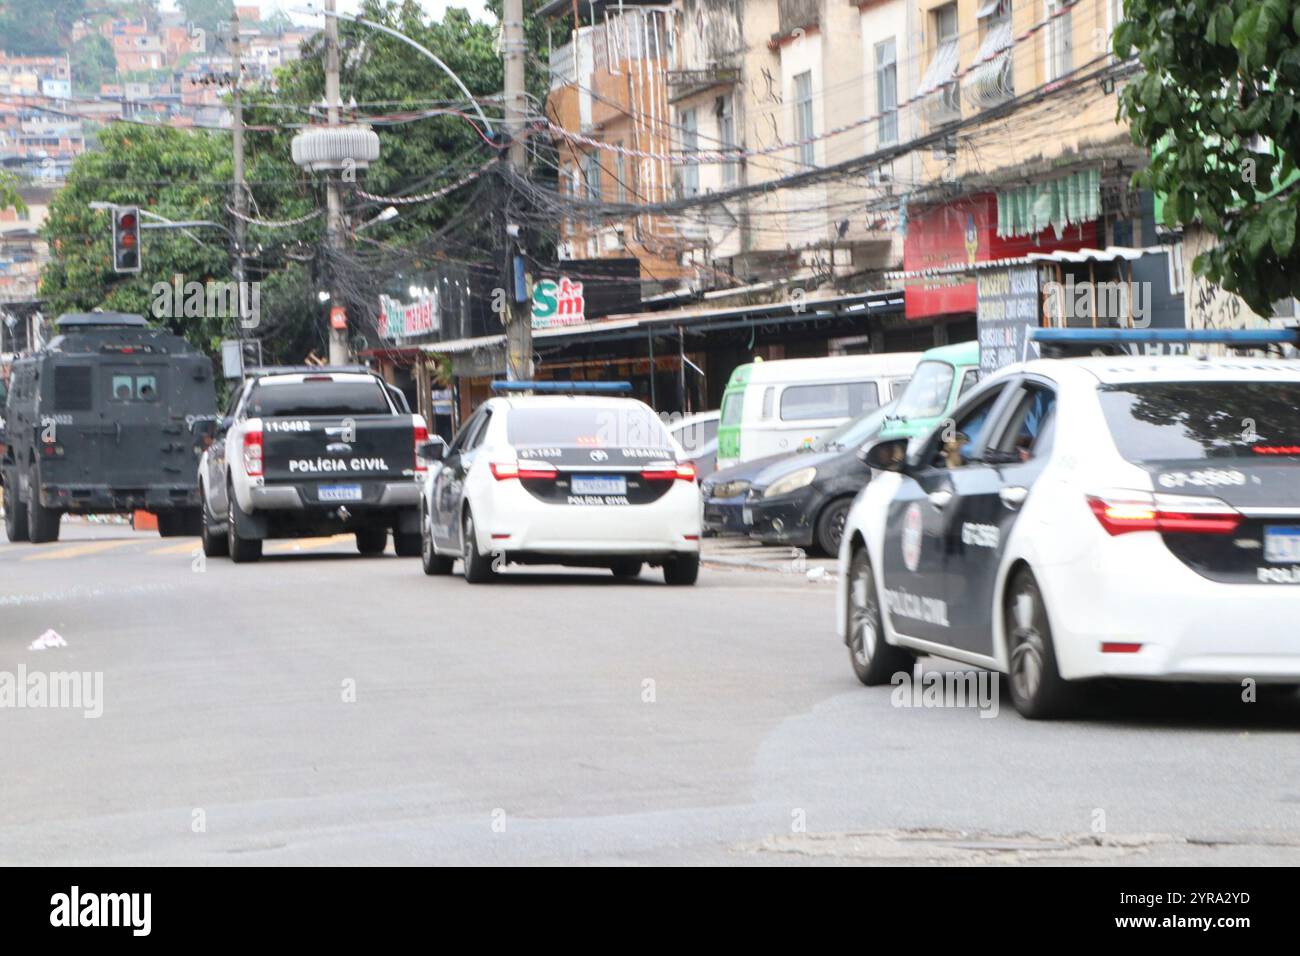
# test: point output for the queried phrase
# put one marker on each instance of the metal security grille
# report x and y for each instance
(72, 389)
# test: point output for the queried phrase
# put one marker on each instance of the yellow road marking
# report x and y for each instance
(78, 550)
(308, 544)
(186, 548)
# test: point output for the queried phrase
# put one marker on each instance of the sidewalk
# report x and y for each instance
(751, 555)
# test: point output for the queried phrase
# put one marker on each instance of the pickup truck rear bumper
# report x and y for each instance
(394, 494)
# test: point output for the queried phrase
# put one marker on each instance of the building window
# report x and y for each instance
(941, 75)
(592, 174)
(1060, 39)
(803, 118)
(887, 92)
(690, 144)
(620, 176)
(726, 116)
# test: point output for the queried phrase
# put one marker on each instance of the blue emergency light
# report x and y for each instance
(562, 388)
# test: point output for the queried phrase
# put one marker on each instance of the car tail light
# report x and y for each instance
(421, 436)
(669, 471)
(504, 470)
(253, 454)
(1123, 511)
(1119, 647)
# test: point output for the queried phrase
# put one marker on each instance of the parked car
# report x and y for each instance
(943, 375)
(770, 408)
(798, 499)
(698, 436)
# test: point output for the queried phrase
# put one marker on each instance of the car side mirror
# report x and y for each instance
(435, 449)
(887, 455)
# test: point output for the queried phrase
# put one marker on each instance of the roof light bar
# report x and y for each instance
(562, 388)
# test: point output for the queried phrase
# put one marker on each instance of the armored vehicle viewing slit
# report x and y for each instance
(99, 422)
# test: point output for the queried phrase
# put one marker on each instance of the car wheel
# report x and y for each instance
(15, 511)
(372, 540)
(875, 661)
(433, 562)
(478, 567)
(406, 545)
(684, 569)
(242, 550)
(830, 526)
(1037, 689)
(627, 568)
(42, 522)
(215, 543)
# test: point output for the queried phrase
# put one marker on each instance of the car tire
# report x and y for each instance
(432, 562)
(1037, 689)
(180, 523)
(372, 541)
(627, 568)
(15, 512)
(684, 569)
(406, 545)
(242, 550)
(477, 567)
(830, 526)
(215, 543)
(875, 661)
(42, 522)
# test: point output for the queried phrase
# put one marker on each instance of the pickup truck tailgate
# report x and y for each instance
(369, 447)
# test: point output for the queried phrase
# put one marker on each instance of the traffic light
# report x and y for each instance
(126, 239)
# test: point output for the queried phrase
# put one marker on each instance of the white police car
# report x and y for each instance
(571, 479)
(1088, 517)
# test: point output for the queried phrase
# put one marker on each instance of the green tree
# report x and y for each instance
(9, 196)
(38, 26)
(1216, 102)
(208, 14)
(93, 62)
(172, 173)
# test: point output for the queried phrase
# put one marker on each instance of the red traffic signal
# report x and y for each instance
(126, 240)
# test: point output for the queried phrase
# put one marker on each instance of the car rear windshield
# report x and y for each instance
(927, 392)
(829, 400)
(1169, 421)
(613, 426)
(318, 399)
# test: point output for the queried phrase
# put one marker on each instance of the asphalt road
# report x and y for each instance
(323, 708)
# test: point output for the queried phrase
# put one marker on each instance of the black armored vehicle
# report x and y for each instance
(99, 422)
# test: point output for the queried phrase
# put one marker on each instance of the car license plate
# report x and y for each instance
(747, 515)
(1282, 544)
(339, 493)
(599, 485)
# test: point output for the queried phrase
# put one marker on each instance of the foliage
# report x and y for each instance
(93, 62)
(208, 14)
(1216, 102)
(29, 27)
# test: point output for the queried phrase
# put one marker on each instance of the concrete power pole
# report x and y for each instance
(334, 208)
(518, 318)
(237, 139)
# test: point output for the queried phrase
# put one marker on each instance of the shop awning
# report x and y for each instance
(1058, 203)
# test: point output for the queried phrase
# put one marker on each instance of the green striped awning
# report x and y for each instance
(1068, 201)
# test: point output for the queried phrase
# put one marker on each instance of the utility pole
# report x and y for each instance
(518, 317)
(334, 208)
(237, 139)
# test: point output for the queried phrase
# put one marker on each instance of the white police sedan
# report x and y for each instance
(570, 479)
(1094, 517)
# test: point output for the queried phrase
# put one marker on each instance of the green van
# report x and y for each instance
(942, 376)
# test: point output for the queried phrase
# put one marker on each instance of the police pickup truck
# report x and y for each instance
(98, 421)
(312, 451)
